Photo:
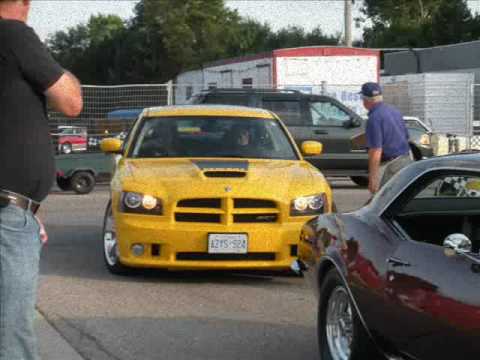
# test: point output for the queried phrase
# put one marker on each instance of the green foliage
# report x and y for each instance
(418, 23)
(166, 37)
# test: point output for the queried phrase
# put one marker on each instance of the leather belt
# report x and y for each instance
(11, 198)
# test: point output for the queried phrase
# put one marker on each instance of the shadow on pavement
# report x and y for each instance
(209, 338)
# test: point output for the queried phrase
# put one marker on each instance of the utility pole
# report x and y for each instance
(348, 23)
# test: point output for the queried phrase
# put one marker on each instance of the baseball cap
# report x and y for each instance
(371, 89)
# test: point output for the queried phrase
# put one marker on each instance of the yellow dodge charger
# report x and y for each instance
(209, 187)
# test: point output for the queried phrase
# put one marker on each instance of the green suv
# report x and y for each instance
(320, 118)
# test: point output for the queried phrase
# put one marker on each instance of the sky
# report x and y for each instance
(49, 16)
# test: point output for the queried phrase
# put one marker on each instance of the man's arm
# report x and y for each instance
(44, 74)
(65, 95)
(374, 159)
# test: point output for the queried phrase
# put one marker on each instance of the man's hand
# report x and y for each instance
(374, 158)
(373, 184)
(43, 232)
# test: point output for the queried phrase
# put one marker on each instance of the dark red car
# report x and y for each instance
(70, 139)
(401, 276)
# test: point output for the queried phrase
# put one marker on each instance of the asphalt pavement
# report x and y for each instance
(87, 314)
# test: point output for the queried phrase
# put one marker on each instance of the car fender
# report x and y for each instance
(331, 241)
(72, 172)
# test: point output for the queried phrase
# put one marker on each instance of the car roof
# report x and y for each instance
(208, 110)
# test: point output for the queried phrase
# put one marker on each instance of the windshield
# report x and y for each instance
(164, 137)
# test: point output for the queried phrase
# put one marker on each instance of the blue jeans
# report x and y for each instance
(20, 247)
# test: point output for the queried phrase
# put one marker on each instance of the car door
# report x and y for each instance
(432, 294)
(334, 126)
(291, 109)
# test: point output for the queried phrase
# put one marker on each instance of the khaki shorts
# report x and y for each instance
(390, 168)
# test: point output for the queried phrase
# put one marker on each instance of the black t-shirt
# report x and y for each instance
(26, 71)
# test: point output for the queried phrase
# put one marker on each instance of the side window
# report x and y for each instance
(454, 186)
(288, 110)
(327, 114)
(227, 99)
(443, 205)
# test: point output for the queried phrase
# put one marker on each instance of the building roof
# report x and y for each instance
(327, 50)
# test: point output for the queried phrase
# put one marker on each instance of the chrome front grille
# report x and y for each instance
(227, 210)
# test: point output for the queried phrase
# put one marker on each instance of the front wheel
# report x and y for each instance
(111, 253)
(66, 148)
(82, 182)
(341, 335)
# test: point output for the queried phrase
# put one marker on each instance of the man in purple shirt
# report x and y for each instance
(387, 138)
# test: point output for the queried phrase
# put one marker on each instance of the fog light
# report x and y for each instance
(138, 249)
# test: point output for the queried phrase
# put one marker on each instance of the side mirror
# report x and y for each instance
(353, 122)
(310, 148)
(111, 145)
(457, 244)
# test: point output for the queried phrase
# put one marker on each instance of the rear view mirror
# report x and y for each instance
(111, 145)
(310, 148)
(457, 244)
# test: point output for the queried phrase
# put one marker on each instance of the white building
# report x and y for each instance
(336, 71)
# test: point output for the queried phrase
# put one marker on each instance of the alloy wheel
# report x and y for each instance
(339, 324)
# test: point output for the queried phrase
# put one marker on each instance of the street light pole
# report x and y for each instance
(348, 23)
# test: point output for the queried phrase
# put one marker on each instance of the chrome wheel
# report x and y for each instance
(110, 240)
(339, 324)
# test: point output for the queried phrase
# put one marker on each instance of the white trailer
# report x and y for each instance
(335, 71)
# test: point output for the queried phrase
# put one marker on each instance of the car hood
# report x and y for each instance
(187, 178)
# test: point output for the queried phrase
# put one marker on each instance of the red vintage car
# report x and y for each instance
(400, 277)
(70, 139)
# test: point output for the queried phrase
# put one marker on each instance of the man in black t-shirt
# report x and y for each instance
(29, 77)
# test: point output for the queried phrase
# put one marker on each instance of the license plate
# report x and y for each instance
(227, 243)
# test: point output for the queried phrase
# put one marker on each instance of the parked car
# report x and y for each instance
(209, 187)
(70, 139)
(320, 118)
(400, 276)
(81, 172)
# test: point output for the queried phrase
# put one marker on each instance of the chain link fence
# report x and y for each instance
(448, 108)
(108, 111)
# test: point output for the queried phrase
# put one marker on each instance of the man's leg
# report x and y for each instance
(394, 166)
(19, 265)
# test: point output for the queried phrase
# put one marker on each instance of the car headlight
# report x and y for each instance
(137, 203)
(425, 139)
(308, 205)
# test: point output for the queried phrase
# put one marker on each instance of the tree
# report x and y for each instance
(87, 50)
(166, 37)
(419, 23)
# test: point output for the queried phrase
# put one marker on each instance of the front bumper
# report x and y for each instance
(184, 246)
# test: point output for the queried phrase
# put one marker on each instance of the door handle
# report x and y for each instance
(321, 132)
(397, 262)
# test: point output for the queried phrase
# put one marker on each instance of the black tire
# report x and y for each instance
(116, 267)
(360, 180)
(64, 183)
(66, 148)
(82, 182)
(361, 346)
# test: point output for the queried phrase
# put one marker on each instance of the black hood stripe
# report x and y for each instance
(221, 165)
